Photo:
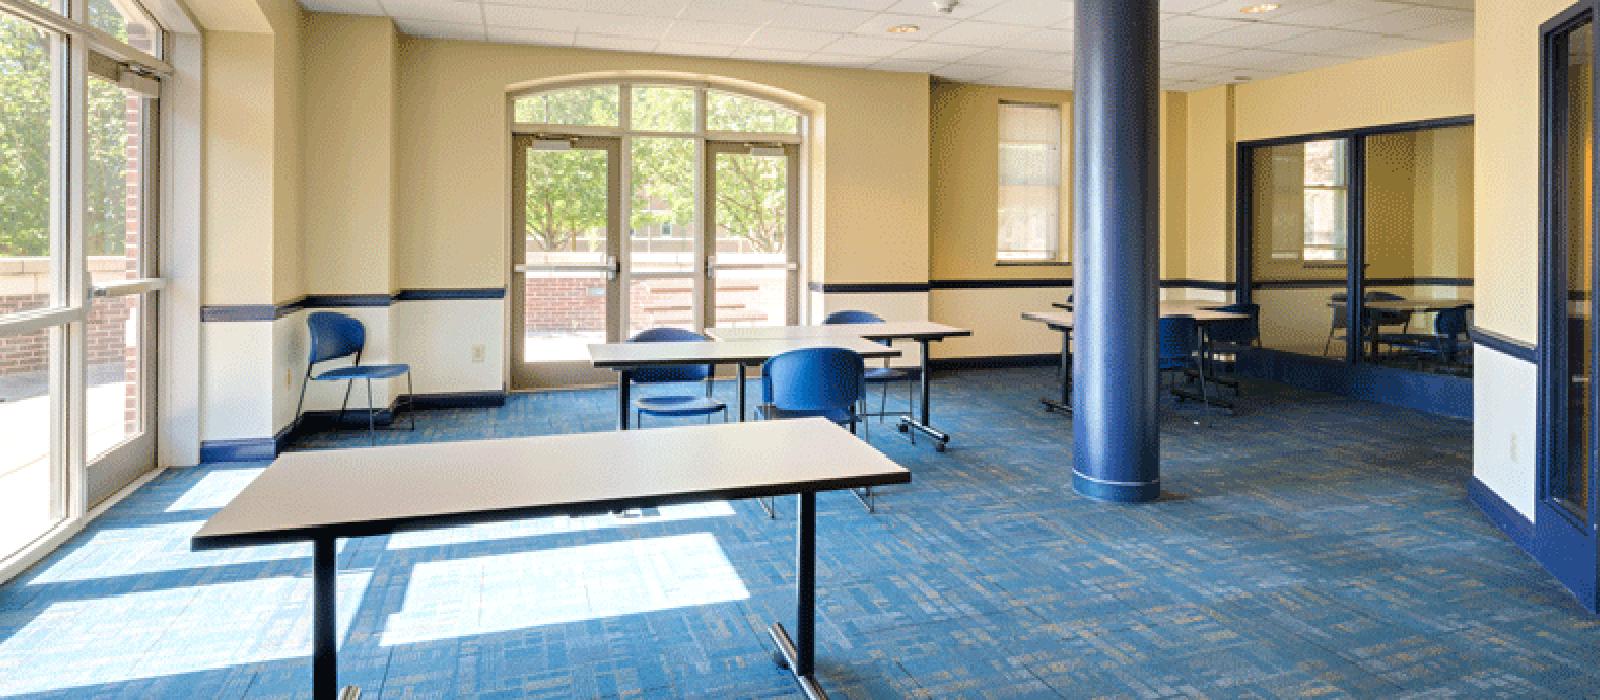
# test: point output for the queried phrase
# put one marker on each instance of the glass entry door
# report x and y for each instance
(752, 262)
(1566, 510)
(565, 291)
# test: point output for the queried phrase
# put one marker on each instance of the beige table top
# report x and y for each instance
(1064, 319)
(1418, 304)
(888, 330)
(375, 490)
(1169, 306)
(622, 355)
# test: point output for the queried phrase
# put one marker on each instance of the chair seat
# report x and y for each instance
(769, 412)
(363, 372)
(678, 405)
(886, 374)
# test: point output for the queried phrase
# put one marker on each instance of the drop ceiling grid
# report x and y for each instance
(1025, 43)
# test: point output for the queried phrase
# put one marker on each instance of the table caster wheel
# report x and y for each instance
(938, 447)
(903, 428)
(777, 658)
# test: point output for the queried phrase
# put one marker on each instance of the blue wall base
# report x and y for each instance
(1502, 515)
(996, 361)
(1089, 487)
(1439, 394)
(265, 449)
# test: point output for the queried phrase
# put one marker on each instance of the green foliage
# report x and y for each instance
(27, 151)
(728, 112)
(752, 200)
(566, 196)
(592, 105)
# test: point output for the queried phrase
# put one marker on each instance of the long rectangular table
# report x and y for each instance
(321, 496)
(924, 333)
(627, 357)
(1062, 322)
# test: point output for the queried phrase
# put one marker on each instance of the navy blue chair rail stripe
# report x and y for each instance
(867, 287)
(1504, 344)
(222, 313)
(995, 361)
(1340, 282)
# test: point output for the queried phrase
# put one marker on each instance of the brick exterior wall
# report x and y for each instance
(575, 304)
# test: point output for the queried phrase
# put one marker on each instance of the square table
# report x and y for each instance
(321, 496)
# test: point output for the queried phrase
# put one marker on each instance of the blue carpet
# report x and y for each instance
(1310, 546)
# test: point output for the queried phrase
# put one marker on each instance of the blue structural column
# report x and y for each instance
(1116, 139)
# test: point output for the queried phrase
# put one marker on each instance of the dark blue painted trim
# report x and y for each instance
(449, 294)
(1033, 283)
(1116, 493)
(1341, 282)
(1505, 345)
(1439, 394)
(461, 399)
(1397, 127)
(868, 287)
(334, 301)
(996, 361)
(1211, 285)
(241, 450)
(1510, 521)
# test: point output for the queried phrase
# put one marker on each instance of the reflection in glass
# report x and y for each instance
(1419, 241)
(1575, 190)
(127, 21)
(1299, 203)
(31, 151)
(29, 502)
(112, 409)
(662, 230)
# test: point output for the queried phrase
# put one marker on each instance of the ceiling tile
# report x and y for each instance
(906, 66)
(745, 11)
(1008, 58)
(1191, 28)
(545, 37)
(966, 73)
(1044, 40)
(441, 30)
(345, 7)
(1336, 13)
(841, 60)
(692, 48)
(966, 10)
(833, 19)
(1410, 19)
(708, 32)
(1323, 40)
(1033, 13)
(1189, 53)
(879, 25)
(1379, 47)
(980, 34)
(1250, 34)
(614, 43)
(435, 10)
(929, 51)
(1230, 9)
(652, 8)
(752, 53)
(786, 39)
(1455, 31)
(865, 46)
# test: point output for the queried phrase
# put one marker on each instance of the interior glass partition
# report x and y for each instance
(1395, 200)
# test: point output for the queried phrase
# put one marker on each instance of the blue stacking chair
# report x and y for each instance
(333, 336)
(1386, 317)
(1178, 350)
(823, 381)
(1232, 336)
(674, 405)
(877, 375)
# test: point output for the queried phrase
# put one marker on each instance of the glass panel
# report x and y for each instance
(114, 179)
(29, 505)
(126, 20)
(658, 108)
(592, 105)
(1574, 167)
(113, 407)
(564, 212)
(662, 231)
(1299, 200)
(729, 112)
(30, 68)
(1030, 183)
(1419, 229)
(658, 303)
(752, 239)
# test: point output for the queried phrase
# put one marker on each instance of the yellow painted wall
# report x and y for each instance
(238, 167)
(1208, 185)
(1507, 171)
(349, 131)
(1424, 84)
(454, 151)
(286, 19)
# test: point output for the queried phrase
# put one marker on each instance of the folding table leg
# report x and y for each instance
(908, 424)
(624, 386)
(324, 625)
(799, 656)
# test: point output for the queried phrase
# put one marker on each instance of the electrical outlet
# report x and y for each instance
(1513, 447)
(288, 379)
(478, 353)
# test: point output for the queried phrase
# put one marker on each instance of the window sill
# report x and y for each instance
(1032, 263)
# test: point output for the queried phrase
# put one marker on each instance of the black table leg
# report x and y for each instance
(1063, 404)
(324, 596)
(924, 426)
(741, 392)
(624, 387)
(800, 657)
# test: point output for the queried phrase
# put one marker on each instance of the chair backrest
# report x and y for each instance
(334, 335)
(1383, 296)
(1450, 325)
(813, 379)
(1341, 310)
(671, 373)
(1387, 317)
(851, 316)
(1177, 341)
(1241, 332)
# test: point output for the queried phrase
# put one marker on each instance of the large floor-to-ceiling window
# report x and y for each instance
(79, 100)
(648, 204)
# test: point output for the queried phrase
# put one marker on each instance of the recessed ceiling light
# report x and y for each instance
(904, 29)
(1260, 9)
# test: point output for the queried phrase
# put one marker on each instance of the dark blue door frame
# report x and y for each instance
(1565, 539)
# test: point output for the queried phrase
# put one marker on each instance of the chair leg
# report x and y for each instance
(867, 498)
(769, 504)
(1327, 343)
(301, 404)
(411, 401)
(348, 385)
(372, 413)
